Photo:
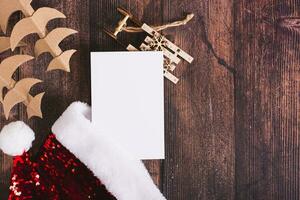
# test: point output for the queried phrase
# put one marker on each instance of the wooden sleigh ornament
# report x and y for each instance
(154, 41)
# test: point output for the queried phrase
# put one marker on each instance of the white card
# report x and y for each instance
(128, 100)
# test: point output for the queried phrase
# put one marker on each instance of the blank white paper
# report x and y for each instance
(128, 100)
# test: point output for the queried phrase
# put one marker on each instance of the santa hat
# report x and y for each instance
(75, 162)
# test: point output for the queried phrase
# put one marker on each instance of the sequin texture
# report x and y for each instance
(55, 174)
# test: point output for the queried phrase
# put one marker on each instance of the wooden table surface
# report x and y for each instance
(232, 122)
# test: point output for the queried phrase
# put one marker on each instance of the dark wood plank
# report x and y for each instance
(4, 175)
(200, 117)
(267, 101)
(61, 88)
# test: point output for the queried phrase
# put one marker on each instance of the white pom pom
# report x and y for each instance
(16, 138)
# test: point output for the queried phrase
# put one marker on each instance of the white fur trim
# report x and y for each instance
(16, 138)
(125, 177)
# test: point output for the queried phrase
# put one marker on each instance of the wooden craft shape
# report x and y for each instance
(5, 44)
(153, 42)
(51, 44)
(18, 91)
(62, 61)
(34, 24)
(20, 94)
(8, 68)
(8, 7)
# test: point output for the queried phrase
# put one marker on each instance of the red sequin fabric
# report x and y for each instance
(56, 174)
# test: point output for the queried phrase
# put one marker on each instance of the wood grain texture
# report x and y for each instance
(232, 122)
(199, 111)
(267, 101)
